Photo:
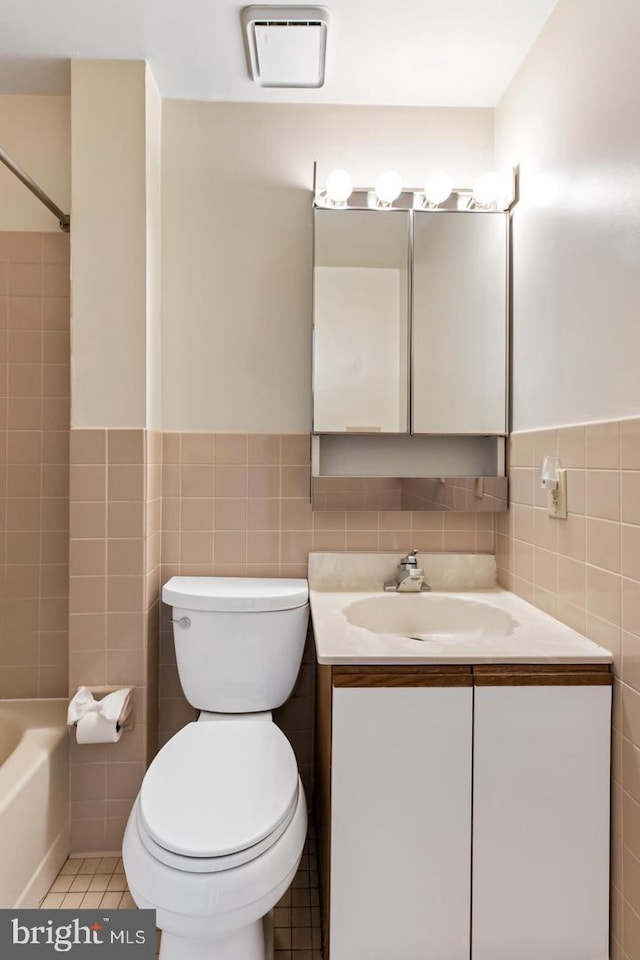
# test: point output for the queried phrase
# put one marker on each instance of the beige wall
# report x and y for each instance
(109, 243)
(115, 474)
(35, 132)
(237, 231)
(153, 124)
(570, 120)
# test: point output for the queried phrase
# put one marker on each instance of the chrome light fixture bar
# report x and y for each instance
(488, 193)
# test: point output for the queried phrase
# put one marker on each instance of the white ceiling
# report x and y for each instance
(413, 52)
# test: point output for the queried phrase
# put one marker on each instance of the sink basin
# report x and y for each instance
(430, 617)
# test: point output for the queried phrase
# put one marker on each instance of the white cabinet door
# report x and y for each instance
(361, 321)
(401, 823)
(541, 823)
(459, 323)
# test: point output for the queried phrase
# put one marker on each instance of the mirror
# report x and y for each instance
(441, 494)
(459, 322)
(361, 321)
(451, 332)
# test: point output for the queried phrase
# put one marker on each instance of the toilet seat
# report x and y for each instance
(210, 864)
(218, 795)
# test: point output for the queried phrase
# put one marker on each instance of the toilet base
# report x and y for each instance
(249, 943)
(225, 915)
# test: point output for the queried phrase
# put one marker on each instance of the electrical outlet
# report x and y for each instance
(557, 499)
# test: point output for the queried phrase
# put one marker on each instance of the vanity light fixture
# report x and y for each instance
(489, 191)
(339, 187)
(387, 188)
(438, 188)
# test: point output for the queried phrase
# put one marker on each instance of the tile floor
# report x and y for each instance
(95, 882)
(101, 882)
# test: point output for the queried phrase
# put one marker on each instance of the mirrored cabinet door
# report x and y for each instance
(459, 322)
(361, 321)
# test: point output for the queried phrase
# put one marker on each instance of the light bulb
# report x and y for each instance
(388, 186)
(489, 189)
(339, 186)
(438, 188)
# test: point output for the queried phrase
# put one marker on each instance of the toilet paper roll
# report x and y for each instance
(100, 721)
(94, 728)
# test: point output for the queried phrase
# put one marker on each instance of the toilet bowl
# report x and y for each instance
(219, 913)
(217, 831)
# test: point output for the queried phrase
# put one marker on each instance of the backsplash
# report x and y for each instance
(34, 463)
(238, 505)
(585, 570)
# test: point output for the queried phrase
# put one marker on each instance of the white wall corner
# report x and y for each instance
(153, 133)
(108, 243)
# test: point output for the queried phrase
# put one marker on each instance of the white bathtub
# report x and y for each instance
(34, 798)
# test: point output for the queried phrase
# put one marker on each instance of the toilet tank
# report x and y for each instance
(239, 641)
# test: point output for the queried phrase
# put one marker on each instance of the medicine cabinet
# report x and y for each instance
(361, 321)
(410, 322)
(459, 323)
(410, 345)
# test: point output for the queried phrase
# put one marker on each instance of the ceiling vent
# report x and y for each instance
(286, 46)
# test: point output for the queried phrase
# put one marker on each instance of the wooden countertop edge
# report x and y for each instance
(542, 674)
(482, 675)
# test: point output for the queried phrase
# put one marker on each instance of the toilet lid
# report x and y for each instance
(235, 594)
(218, 788)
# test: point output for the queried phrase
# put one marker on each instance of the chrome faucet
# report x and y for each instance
(411, 578)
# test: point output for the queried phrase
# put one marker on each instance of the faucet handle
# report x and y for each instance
(411, 560)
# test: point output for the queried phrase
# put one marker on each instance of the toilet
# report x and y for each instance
(217, 830)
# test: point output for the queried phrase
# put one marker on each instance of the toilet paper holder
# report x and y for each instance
(93, 724)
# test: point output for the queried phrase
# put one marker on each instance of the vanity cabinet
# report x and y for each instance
(401, 816)
(541, 796)
(464, 811)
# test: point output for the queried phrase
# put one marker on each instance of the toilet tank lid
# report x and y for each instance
(231, 594)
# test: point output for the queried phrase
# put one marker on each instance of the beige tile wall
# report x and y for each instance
(238, 505)
(34, 457)
(113, 617)
(145, 507)
(152, 574)
(586, 571)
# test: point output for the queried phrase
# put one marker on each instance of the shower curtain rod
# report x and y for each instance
(63, 218)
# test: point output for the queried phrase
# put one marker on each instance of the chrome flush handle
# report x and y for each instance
(183, 621)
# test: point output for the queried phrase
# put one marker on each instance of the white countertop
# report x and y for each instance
(535, 637)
